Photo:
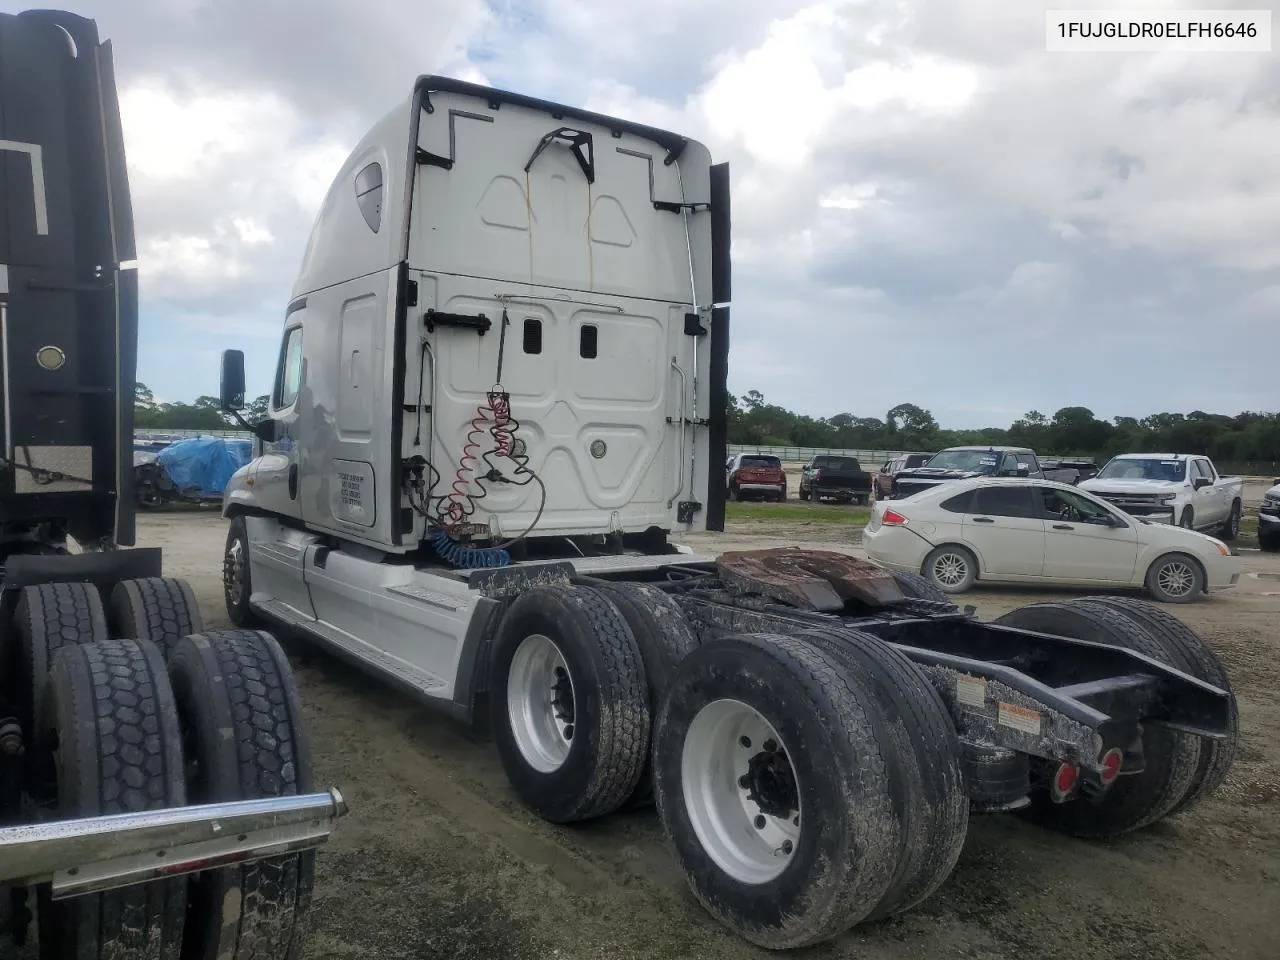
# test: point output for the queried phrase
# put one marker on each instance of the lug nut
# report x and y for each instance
(760, 821)
(770, 746)
(787, 846)
(568, 732)
(746, 742)
(744, 781)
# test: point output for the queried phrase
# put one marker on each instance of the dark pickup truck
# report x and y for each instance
(835, 477)
(960, 463)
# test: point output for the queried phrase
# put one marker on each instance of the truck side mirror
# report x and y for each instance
(231, 385)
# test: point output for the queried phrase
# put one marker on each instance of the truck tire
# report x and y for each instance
(50, 616)
(244, 739)
(1231, 528)
(665, 638)
(1172, 758)
(161, 609)
(931, 790)
(1268, 543)
(1188, 518)
(752, 722)
(916, 587)
(237, 578)
(1175, 578)
(951, 568)
(108, 738)
(569, 703)
(802, 493)
(1186, 650)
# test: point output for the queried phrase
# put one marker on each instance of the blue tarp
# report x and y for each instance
(204, 464)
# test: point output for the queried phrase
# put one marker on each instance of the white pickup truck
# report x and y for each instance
(1180, 488)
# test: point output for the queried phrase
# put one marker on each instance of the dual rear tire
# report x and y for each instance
(160, 716)
(806, 783)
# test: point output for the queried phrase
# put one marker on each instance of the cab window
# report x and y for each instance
(289, 373)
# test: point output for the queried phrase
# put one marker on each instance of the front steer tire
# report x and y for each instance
(244, 740)
(1171, 757)
(764, 723)
(569, 703)
(237, 577)
(109, 742)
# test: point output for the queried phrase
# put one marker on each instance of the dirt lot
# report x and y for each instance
(437, 859)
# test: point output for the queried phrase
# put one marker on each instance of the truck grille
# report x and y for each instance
(1137, 504)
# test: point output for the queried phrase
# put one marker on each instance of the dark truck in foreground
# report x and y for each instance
(156, 795)
(961, 463)
(830, 476)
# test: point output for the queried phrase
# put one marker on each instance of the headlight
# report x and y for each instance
(1166, 498)
(1222, 547)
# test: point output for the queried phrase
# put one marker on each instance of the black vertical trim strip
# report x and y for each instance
(117, 169)
(718, 429)
(127, 372)
(721, 231)
(400, 334)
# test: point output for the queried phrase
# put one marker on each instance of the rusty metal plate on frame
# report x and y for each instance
(820, 580)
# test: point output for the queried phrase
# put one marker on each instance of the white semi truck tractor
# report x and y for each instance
(156, 795)
(500, 400)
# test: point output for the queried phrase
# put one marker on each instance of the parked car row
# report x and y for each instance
(1269, 519)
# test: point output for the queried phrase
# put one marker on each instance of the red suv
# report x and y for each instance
(756, 475)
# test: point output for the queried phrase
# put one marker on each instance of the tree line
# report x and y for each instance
(1072, 431)
(201, 414)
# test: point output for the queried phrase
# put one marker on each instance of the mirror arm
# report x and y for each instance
(261, 429)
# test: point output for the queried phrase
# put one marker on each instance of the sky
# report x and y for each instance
(928, 206)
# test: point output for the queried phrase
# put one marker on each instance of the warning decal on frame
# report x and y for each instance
(1019, 718)
(971, 691)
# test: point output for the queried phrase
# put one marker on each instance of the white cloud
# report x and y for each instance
(919, 189)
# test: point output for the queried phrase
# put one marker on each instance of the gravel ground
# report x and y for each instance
(437, 860)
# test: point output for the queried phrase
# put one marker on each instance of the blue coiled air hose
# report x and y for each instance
(467, 558)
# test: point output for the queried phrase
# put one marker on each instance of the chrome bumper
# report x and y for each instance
(90, 854)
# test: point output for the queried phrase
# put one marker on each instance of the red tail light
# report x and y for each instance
(892, 518)
(817, 475)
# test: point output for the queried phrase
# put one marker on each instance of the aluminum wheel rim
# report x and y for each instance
(1176, 578)
(540, 703)
(950, 569)
(233, 575)
(734, 799)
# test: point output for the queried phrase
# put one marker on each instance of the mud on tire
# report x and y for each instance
(160, 609)
(759, 735)
(664, 637)
(1184, 649)
(925, 767)
(243, 740)
(1171, 757)
(108, 737)
(569, 703)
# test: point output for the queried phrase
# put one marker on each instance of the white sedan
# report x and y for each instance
(1041, 532)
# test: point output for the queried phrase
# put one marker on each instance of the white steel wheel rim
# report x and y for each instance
(738, 779)
(950, 569)
(1176, 578)
(540, 703)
